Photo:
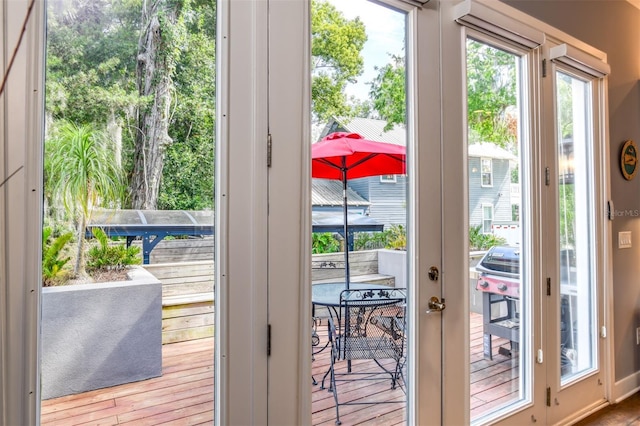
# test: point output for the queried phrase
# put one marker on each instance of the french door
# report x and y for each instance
(535, 151)
(289, 297)
(554, 330)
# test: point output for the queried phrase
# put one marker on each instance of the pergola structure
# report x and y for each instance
(152, 226)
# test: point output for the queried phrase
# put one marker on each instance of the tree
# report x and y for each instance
(90, 58)
(388, 92)
(336, 43)
(158, 52)
(491, 94)
(83, 174)
(188, 174)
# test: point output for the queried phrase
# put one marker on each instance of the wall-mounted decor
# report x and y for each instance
(629, 160)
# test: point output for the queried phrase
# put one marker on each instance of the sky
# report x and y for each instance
(385, 31)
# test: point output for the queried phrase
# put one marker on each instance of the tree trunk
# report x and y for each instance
(154, 80)
(114, 129)
(78, 268)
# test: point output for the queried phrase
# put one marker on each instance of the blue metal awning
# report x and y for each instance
(153, 225)
(332, 221)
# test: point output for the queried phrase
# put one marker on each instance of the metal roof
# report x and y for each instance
(327, 192)
(369, 128)
(490, 150)
(334, 222)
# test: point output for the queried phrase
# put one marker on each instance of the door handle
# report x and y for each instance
(435, 305)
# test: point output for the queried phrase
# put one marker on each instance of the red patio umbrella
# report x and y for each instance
(343, 156)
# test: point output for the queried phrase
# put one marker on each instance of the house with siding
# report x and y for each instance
(491, 202)
(490, 199)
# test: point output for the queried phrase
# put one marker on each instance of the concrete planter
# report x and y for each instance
(394, 262)
(101, 335)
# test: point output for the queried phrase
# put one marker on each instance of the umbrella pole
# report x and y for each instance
(346, 227)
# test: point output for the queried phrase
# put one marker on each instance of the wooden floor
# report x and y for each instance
(184, 393)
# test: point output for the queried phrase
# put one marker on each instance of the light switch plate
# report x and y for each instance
(624, 239)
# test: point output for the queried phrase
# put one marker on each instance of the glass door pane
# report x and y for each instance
(128, 250)
(358, 77)
(575, 218)
(499, 286)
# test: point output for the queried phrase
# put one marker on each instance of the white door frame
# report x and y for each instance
(21, 130)
(241, 213)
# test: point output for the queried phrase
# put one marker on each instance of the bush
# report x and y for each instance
(324, 243)
(396, 238)
(53, 259)
(370, 240)
(480, 241)
(110, 257)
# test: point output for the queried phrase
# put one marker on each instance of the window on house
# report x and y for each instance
(487, 218)
(388, 179)
(486, 167)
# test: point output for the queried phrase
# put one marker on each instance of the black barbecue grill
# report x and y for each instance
(499, 282)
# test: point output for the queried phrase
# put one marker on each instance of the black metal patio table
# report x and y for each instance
(327, 295)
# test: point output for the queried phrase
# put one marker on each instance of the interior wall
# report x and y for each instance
(613, 26)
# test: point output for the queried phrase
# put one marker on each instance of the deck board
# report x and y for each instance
(183, 395)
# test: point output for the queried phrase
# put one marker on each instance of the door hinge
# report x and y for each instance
(549, 397)
(547, 176)
(544, 68)
(548, 286)
(268, 339)
(269, 148)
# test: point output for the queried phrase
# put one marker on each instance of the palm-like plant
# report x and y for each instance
(83, 174)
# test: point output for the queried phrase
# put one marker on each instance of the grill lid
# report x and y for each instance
(504, 259)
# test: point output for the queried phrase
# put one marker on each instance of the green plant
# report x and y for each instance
(370, 240)
(53, 259)
(324, 243)
(396, 238)
(481, 241)
(108, 257)
(83, 173)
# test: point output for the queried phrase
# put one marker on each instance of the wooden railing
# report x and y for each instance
(188, 304)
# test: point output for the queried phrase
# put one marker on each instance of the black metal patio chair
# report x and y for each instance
(370, 325)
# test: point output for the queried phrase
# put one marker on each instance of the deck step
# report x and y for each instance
(365, 278)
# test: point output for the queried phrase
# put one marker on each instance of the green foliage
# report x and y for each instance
(481, 241)
(564, 108)
(324, 243)
(92, 57)
(81, 167)
(106, 257)
(394, 237)
(369, 240)
(336, 43)
(388, 92)
(567, 205)
(82, 173)
(491, 94)
(188, 173)
(54, 258)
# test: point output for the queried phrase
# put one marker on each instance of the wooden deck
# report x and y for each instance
(184, 393)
